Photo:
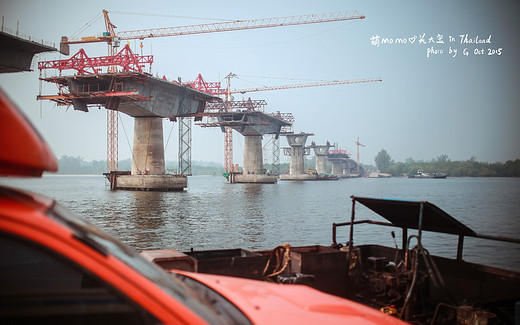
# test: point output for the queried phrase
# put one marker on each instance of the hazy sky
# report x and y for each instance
(431, 101)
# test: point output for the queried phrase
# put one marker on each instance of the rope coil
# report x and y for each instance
(281, 256)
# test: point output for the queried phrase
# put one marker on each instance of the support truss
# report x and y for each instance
(185, 146)
(271, 150)
(228, 150)
(126, 59)
(112, 140)
(276, 155)
(184, 156)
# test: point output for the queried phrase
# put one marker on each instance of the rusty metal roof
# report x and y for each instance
(405, 214)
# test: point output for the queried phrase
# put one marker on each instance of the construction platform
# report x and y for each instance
(252, 125)
(148, 100)
(131, 93)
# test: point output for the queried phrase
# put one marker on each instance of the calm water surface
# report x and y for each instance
(212, 214)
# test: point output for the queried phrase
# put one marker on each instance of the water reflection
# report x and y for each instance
(146, 219)
(212, 214)
(253, 226)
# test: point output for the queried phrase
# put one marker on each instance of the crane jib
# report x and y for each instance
(219, 27)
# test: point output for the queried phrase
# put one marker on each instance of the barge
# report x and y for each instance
(406, 282)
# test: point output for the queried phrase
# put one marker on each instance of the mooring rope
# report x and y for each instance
(281, 255)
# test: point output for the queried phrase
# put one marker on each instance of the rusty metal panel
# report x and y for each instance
(327, 264)
(231, 262)
(170, 259)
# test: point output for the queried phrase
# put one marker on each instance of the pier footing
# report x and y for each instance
(163, 183)
(297, 177)
(256, 178)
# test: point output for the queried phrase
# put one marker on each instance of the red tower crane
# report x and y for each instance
(215, 88)
(113, 38)
(358, 144)
(304, 85)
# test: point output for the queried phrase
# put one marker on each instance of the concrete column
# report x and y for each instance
(296, 161)
(148, 152)
(337, 167)
(297, 152)
(253, 161)
(321, 164)
(321, 158)
(345, 167)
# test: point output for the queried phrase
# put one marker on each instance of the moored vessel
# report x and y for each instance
(406, 282)
(421, 174)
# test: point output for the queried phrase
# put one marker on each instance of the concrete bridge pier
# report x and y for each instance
(253, 170)
(252, 124)
(321, 153)
(338, 158)
(296, 153)
(148, 168)
(345, 168)
(148, 100)
(337, 167)
(148, 149)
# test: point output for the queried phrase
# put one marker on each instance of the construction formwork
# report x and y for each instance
(148, 100)
(296, 152)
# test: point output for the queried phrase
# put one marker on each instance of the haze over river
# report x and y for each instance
(212, 214)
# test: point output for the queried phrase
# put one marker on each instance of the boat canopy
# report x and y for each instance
(419, 215)
(406, 214)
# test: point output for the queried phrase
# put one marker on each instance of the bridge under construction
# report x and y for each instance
(125, 87)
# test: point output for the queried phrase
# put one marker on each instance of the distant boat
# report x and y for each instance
(322, 176)
(326, 177)
(378, 175)
(421, 174)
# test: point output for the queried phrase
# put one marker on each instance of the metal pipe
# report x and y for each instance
(405, 237)
(366, 221)
(437, 311)
(334, 242)
(351, 236)
(406, 307)
(460, 246)
(419, 227)
(352, 216)
(499, 238)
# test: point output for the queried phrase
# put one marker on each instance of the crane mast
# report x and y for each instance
(358, 144)
(215, 88)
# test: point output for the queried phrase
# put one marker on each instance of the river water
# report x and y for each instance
(212, 214)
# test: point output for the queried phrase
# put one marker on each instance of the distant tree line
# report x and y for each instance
(442, 164)
(69, 165)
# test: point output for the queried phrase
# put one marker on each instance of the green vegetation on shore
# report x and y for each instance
(69, 165)
(442, 164)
